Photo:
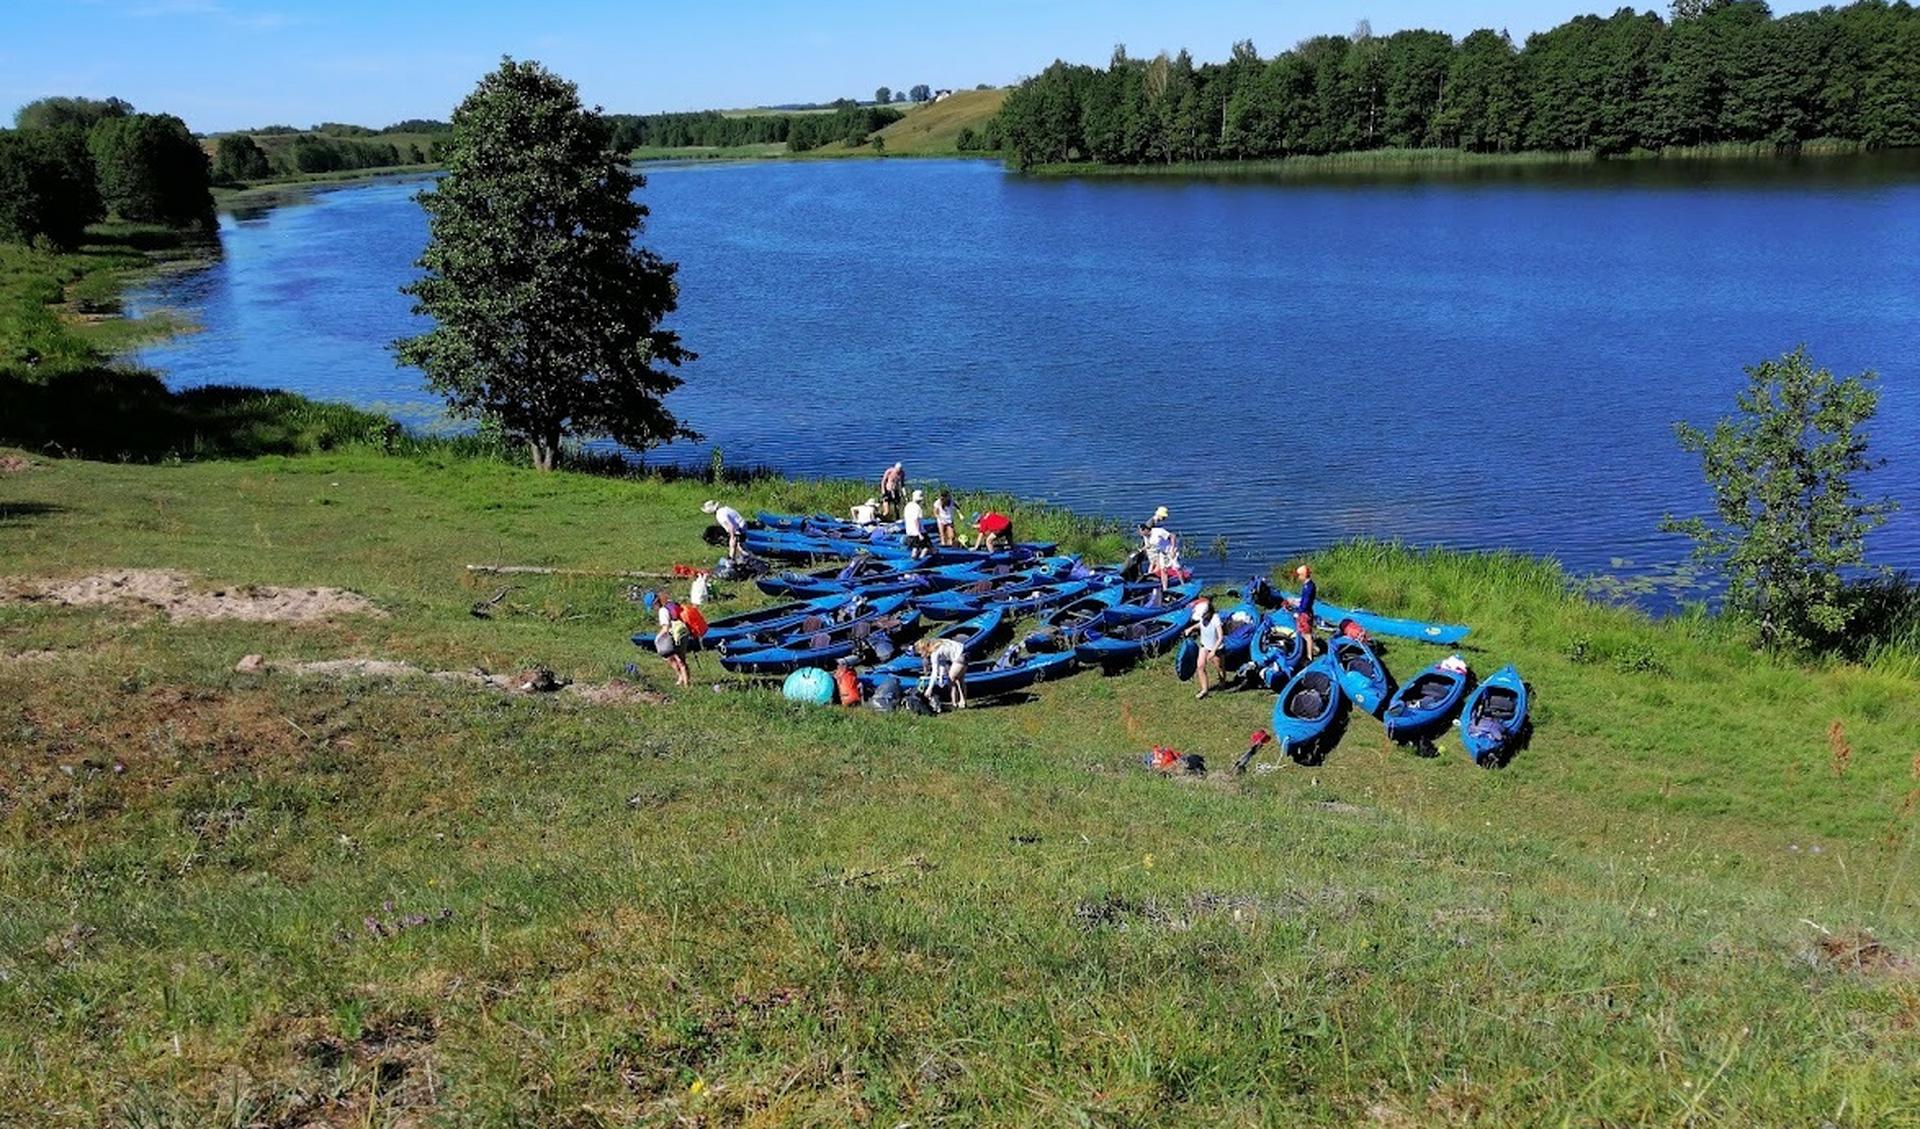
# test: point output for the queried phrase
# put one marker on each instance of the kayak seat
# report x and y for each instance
(820, 641)
(813, 623)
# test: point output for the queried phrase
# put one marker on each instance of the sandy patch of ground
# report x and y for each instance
(25, 658)
(531, 681)
(174, 593)
(15, 464)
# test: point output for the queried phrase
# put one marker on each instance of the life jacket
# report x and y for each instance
(695, 622)
(849, 685)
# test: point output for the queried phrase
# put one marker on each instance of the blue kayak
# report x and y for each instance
(1113, 645)
(1015, 669)
(770, 618)
(1493, 722)
(1331, 615)
(1423, 707)
(1082, 612)
(975, 635)
(1276, 650)
(1362, 675)
(1307, 715)
(864, 572)
(823, 648)
(1018, 594)
(1144, 599)
(850, 610)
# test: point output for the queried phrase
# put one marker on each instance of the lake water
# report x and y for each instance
(1493, 361)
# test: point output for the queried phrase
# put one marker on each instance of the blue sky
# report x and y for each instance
(222, 64)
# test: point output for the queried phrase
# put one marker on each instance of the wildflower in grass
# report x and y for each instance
(699, 1087)
(1147, 862)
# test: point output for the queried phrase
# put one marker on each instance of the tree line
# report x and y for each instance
(1717, 71)
(847, 122)
(70, 162)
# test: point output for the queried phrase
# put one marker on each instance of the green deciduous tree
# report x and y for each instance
(84, 113)
(547, 315)
(1789, 517)
(46, 186)
(883, 95)
(921, 92)
(151, 169)
(237, 157)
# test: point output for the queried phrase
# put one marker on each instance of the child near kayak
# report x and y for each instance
(1303, 608)
(1207, 624)
(946, 664)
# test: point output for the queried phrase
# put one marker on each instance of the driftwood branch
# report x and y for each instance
(536, 570)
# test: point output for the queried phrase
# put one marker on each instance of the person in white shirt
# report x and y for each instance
(944, 658)
(943, 515)
(1163, 553)
(911, 517)
(1212, 631)
(866, 513)
(729, 519)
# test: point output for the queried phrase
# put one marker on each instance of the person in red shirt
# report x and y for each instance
(993, 530)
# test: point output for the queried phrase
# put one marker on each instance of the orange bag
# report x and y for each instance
(849, 684)
(695, 622)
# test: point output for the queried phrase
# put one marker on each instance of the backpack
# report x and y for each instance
(886, 695)
(695, 622)
(848, 684)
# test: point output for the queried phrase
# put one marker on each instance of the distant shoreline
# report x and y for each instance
(1371, 161)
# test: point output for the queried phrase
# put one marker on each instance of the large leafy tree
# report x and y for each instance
(152, 169)
(1789, 517)
(46, 186)
(546, 314)
(82, 113)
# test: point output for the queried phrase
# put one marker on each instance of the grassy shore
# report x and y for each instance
(929, 129)
(1374, 161)
(269, 898)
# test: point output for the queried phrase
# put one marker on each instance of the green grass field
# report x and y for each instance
(264, 898)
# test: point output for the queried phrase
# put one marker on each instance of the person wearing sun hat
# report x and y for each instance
(912, 517)
(729, 519)
(866, 513)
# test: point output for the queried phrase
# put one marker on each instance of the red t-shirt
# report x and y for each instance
(991, 522)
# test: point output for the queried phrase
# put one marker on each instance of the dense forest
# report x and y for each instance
(1717, 71)
(847, 122)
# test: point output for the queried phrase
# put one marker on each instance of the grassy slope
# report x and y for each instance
(931, 129)
(723, 905)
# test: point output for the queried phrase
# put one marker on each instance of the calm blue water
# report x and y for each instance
(1483, 364)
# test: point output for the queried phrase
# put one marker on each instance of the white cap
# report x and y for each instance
(873, 501)
(709, 506)
(918, 495)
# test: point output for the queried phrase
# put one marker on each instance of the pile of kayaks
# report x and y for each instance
(1317, 697)
(873, 600)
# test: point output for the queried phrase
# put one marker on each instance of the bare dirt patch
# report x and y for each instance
(1858, 950)
(534, 680)
(174, 593)
(16, 464)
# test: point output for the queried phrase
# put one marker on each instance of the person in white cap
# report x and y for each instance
(893, 487)
(1206, 622)
(911, 517)
(729, 519)
(864, 513)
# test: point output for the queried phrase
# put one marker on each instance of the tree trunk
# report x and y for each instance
(546, 452)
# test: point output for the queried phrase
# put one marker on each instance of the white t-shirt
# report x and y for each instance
(942, 513)
(1211, 631)
(730, 520)
(862, 514)
(1159, 540)
(911, 514)
(951, 653)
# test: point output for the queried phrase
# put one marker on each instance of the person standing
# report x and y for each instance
(912, 517)
(1303, 608)
(667, 642)
(1212, 631)
(943, 511)
(893, 487)
(728, 519)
